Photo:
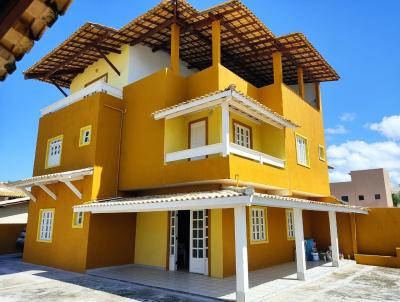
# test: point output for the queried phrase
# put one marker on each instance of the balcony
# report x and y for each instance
(99, 86)
(224, 123)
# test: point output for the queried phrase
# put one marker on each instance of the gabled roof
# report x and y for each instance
(247, 44)
(21, 24)
(247, 105)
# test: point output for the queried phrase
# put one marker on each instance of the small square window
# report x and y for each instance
(345, 198)
(377, 196)
(360, 197)
(77, 219)
(321, 153)
(85, 136)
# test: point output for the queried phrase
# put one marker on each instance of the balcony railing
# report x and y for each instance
(77, 96)
(218, 149)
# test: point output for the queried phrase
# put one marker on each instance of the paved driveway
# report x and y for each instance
(26, 282)
(22, 282)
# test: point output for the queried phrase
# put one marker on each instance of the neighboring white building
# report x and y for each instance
(368, 188)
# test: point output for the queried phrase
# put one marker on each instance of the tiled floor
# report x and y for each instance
(264, 282)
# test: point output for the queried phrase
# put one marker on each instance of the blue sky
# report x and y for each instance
(359, 39)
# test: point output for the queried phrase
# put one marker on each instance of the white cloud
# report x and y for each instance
(359, 155)
(338, 129)
(348, 116)
(388, 127)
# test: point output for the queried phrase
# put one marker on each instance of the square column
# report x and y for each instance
(225, 128)
(175, 32)
(242, 273)
(300, 249)
(300, 81)
(334, 238)
(277, 65)
(216, 42)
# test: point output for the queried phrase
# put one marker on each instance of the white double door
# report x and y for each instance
(198, 249)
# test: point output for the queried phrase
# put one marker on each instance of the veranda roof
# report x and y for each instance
(238, 100)
(21, 24)
(247, 44)
(225, 198)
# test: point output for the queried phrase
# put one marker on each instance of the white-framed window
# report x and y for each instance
(85, 136)
(242, 135)
(258, 225)
(54, 149)
(45, 228)
(77, 219)
(321, 153)
(290, 224)
(302, 150)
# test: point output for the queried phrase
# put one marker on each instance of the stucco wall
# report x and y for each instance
(8, 237)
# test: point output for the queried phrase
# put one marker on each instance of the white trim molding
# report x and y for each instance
(94, 88)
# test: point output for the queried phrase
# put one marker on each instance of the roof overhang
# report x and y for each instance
(236, 100)
(42, 181)
(13, 202)
(209, 200)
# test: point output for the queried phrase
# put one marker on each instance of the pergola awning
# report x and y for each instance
(42, 181)
(236, 100)
(226, 198)
(246, 49)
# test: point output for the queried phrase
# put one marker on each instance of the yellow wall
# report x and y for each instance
(111, 239)
(216, 238)
(9, 232)
(101, 67)
(151, 239)
(68, 250)
(378, 232)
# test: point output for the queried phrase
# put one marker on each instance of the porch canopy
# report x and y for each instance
(42, 181)
(238, 199)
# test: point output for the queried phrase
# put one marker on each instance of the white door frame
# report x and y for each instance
(199, 264)
(173, 244)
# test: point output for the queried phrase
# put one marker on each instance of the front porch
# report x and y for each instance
(262, 283)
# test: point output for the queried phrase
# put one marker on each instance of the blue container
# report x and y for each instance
(309, 246)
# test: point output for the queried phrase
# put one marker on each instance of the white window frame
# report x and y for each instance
(77, 219)
(45, 225)
(290, 224)
(302, 152)
(52, 150)
(258, 225)
(241, 132)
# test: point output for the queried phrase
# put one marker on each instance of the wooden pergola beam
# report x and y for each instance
(58, 87)
(59, 72)
(152, 31)
(108, 61)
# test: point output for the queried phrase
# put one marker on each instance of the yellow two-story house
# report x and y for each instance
(191, 141)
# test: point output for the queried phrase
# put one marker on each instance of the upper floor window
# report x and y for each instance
(302, 150)
(290, 224)
(360, 197)
(345, 198)
(321, 152)
(258, 224)
(377, 196)
(54, 149)
(45, 229)
(242, 135)
(85, 136)
(77, 219)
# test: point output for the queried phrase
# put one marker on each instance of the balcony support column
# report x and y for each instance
(277, 65)
(216, 42)
(175, 32)
(300, 249)
(334, 238)
(300, 81)
(225, 128)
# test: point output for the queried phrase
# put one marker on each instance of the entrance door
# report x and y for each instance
(198, 242)
(198, 135)
(173, 244)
